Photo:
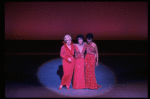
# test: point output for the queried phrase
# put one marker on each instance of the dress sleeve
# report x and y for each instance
(62, 53)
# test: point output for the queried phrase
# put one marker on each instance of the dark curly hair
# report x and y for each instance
(89, 36)
(80, 36)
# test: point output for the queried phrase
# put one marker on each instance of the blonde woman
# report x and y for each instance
(67, 52)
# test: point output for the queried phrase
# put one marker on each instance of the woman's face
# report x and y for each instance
(68, 41)
(80, 40)
(89, 40)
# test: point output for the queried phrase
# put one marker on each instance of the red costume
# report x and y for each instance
(66, 53)
(90, 78)
(78, 79)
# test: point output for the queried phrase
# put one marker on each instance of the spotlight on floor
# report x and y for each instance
(50, 73)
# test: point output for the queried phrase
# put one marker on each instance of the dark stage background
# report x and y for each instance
(53, 46)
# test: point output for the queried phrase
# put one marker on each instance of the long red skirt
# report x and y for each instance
(67, 72)
(90, 78)
(79, 79)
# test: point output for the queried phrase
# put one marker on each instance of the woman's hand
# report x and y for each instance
(84, 43)
(69, 60)
(96, 63)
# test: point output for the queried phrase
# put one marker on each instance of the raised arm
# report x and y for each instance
(84, 43)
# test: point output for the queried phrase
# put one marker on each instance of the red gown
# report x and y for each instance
(78, 78)
(90, 78)
(68, 67)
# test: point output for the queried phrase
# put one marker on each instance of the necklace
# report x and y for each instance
(81, 44)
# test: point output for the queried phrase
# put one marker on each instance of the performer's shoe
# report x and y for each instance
(99, 86)
(67, 87)
(60, 87)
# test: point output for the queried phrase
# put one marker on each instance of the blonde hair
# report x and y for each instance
(67, 37)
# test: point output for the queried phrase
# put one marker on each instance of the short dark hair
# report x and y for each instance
(80, 36)
(89, 36)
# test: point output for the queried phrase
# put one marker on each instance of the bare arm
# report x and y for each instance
(96, 54)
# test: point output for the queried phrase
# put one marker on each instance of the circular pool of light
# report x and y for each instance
(50, 73)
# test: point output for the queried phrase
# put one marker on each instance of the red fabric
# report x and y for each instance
(90, 49)
(90, 78)
(66, 53)
(79, 79)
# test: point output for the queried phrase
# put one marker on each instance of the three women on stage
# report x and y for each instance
(75, 64)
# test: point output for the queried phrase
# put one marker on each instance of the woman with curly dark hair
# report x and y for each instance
(78, 78)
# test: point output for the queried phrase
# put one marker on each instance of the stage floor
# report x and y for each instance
(22, 81)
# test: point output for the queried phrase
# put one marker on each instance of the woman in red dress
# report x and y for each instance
(78, 78)
(67, 52)
(91, 59)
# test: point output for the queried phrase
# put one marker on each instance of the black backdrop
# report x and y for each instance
(54, 46)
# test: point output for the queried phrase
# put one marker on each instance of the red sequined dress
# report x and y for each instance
(78, 78)
(90, 78)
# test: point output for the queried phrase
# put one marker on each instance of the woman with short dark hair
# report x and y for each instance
(91, 59)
